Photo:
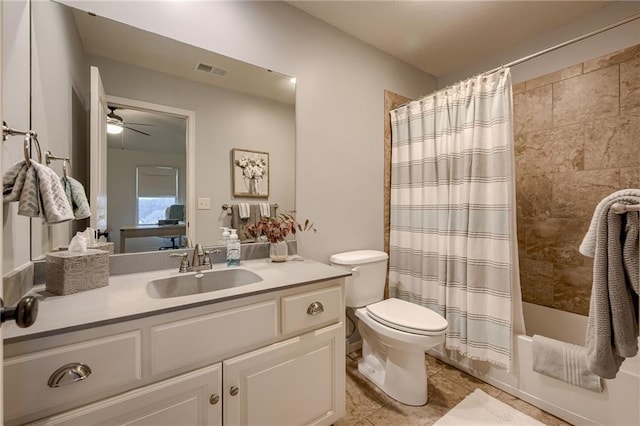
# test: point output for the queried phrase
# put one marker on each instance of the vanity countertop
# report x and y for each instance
(126, 298)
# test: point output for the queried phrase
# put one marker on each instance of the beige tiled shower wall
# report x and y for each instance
(577, 140)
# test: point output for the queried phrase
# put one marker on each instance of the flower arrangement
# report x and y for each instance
(276, 229)
(252, 168)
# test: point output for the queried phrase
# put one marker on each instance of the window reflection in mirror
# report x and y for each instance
(156, 192)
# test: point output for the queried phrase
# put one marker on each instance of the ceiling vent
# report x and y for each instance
(210, 69)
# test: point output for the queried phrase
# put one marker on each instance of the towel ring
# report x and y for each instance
(49, 157)
(31, 136)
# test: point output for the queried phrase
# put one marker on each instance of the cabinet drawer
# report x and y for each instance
(206, 338)
(311, 310)
(114, 361)
(182, 400)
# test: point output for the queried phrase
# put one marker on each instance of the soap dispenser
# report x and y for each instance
(233, 249)
(225, 235)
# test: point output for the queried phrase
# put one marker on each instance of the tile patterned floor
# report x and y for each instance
(369, 406)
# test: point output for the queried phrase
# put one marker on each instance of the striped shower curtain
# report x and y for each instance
(452, 241)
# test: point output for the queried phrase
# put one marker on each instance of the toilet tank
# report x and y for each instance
(369, 272)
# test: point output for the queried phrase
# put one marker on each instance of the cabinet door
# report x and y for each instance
(190, 399)
(296, 382)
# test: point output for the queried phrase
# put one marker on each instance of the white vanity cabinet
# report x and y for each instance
(273, 358)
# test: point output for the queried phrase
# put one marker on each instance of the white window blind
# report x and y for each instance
(156, 182)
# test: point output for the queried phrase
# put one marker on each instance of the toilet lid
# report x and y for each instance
(407, 316)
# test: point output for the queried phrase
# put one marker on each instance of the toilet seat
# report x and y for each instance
(408, 317)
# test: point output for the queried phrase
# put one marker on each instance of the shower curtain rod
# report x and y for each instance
(544, 51)
(566, 43)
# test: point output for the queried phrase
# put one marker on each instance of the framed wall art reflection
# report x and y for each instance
(250, 171)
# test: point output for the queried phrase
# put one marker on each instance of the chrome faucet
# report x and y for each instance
(200, 261)
(198, 257)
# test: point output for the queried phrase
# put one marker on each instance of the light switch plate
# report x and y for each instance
(204, 203)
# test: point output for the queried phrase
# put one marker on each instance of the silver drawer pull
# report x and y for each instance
(69, 373)
(315, 308)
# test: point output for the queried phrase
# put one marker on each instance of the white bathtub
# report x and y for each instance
(619, 404)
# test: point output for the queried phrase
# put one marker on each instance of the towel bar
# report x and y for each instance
(226, 206)
(29, 135)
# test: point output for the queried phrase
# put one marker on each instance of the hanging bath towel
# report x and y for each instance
(265, 210)
(244, 210)
(612, 327)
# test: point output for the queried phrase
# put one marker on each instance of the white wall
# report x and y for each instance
(51, 121)
(592, 47)
(58, 69)
(339, 102)
(15, 110)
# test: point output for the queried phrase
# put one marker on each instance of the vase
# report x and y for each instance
(278, 251)
(253, 186)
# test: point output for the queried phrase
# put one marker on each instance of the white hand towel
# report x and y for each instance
(77, 197)
(265, 210)
(244, 210)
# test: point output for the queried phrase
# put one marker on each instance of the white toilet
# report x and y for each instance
(395, 333)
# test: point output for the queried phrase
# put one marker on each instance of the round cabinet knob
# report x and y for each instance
(214, 399)
(24, 313)
(234, 390)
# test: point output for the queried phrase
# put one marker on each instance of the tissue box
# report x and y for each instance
(67, 272)
(103, 246)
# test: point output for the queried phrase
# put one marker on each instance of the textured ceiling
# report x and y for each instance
(440, 37)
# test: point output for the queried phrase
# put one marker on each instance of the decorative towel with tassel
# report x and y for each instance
(564, 361)
(38, 191)
(77, 197)
(612, 327)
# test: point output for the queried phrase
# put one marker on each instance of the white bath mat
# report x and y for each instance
(478, 408)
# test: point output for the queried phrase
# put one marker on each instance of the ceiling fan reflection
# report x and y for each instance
(115, 124)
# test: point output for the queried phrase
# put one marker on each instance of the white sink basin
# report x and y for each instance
(201, 282)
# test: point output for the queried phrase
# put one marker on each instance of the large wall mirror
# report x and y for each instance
(152, 164)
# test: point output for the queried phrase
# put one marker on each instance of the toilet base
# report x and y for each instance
(400, 373)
